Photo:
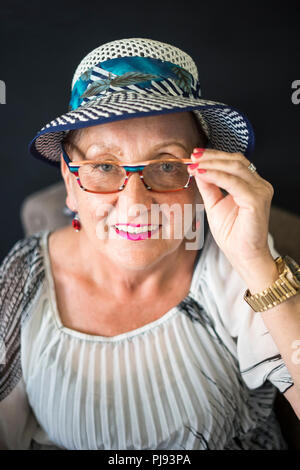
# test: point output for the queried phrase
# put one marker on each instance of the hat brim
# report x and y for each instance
(227, 128)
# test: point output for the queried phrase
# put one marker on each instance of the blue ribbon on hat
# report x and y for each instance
(127, 71)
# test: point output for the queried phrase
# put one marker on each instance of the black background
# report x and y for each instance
(247, 55)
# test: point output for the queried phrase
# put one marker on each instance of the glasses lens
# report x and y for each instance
(164, 176)
(102, 177)
(160, 176)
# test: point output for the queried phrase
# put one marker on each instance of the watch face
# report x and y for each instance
(294, 267)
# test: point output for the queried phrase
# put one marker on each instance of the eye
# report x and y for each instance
(168, 167)
(103, 166)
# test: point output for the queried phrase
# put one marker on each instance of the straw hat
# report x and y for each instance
(139, 77)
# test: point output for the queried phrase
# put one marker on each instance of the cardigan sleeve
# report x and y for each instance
(257, 354)
(19, 280)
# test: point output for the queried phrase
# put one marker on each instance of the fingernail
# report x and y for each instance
(193, 166)
(202, 171)
(198, 154)
(198, 150)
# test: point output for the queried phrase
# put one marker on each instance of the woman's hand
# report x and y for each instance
(239, 221)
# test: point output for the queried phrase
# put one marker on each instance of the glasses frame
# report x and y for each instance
(135, 168)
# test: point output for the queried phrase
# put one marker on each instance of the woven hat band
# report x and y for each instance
(140, 74)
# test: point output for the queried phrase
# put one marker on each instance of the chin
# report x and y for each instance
(140, 257)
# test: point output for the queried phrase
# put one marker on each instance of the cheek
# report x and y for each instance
(179, 211)
(93, 209)
(73, 194)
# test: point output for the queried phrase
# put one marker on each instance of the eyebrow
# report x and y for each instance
(107, 148)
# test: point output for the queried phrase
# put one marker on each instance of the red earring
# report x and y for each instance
(76, 222)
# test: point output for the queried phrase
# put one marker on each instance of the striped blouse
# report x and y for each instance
(203, 376)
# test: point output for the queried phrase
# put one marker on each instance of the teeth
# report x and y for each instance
(125, 228)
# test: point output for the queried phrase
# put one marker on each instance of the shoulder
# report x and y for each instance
(21, 249)
(21, 272)
(23, 259)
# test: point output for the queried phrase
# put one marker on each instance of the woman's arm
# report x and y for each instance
(282, 321)
(18, 285)
(17, 422)
(239, 223)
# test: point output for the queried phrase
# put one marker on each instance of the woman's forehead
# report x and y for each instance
(95, 148)
(161, 127)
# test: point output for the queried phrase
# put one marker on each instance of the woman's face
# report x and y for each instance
(133, 141)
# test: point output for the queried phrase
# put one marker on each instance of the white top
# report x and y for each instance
(203, 376)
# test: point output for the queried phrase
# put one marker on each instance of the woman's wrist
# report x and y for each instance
(260, 274)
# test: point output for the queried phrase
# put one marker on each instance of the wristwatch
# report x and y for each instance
(287, 285)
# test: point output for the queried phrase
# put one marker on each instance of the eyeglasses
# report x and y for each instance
(106, 176)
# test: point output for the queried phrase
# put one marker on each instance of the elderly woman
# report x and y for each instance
(122, 334)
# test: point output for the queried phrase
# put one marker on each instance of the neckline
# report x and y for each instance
(128, 334)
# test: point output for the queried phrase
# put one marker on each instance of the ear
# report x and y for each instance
(69, 184)
(64, 167)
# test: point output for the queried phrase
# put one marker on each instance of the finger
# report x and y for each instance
(231, 165)
(212, 154)
(239, 189)
(219, 154)
(210, 193)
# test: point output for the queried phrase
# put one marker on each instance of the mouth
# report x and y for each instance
(136, 231)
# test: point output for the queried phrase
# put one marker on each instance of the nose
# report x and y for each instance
(135, 194)
(134, 184)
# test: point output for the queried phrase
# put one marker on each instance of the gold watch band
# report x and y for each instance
(282, 289)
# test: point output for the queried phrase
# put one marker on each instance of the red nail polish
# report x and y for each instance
(202, 171)
(193, 166)
(198, 151)
(198, 154)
